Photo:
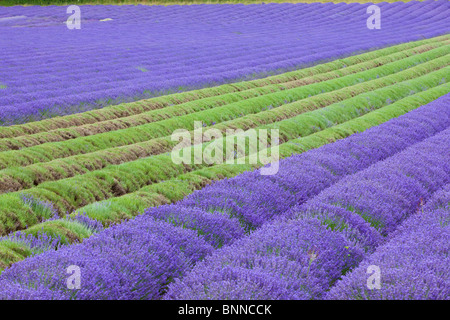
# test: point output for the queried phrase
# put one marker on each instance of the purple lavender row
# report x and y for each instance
(302, 255)
(413, 264)
(109, 255)
(135, 260)
(112, 63)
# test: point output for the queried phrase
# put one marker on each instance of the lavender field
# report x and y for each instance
(279, 151)
(147, 51)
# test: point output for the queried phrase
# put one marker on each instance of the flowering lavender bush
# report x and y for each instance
(335, 230)
(294, 260)
(151, 50)
(414, 263)
(135, 260)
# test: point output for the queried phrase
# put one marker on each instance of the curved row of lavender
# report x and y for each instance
(137, 259)
(414, 263)
(144, 51)
(301, 255)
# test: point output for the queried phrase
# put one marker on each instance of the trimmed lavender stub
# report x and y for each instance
(122, 240)
(134, 260)
(370, 204)
(414, 263)
(113, 63)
